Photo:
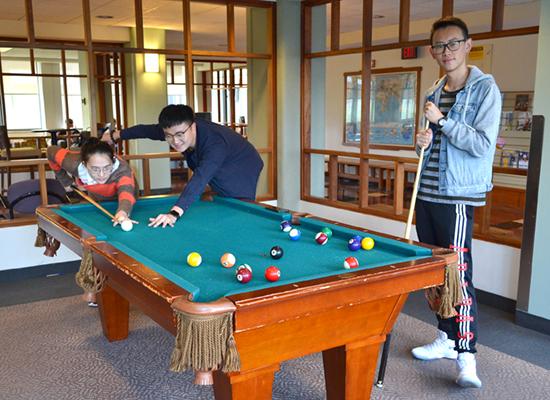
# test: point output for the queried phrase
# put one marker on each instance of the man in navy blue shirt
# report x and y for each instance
(217, 155)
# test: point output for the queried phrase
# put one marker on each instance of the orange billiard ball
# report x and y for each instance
(228, 260)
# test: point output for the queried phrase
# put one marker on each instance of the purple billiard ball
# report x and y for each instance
(286, 226)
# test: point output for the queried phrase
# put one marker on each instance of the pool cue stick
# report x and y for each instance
(415, 189)
(386, 348)
(93, 202)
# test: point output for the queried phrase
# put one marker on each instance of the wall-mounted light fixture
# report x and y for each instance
(151, 62)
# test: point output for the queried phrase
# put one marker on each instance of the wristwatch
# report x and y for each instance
(441, 122)
(175, 214)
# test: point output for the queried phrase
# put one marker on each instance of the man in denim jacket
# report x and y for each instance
(464, 109)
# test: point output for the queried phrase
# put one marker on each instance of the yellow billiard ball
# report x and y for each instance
(367, 243)
(194, 259)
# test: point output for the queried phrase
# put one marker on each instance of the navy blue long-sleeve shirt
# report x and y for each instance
(221, 158)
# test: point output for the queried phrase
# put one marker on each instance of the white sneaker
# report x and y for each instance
(467, 376)
(442, 347)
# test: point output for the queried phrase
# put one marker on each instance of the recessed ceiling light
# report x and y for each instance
(378, 16)
(104, 16)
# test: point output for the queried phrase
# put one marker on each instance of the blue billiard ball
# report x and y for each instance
(357, 238)
(354, 245)
(295, 234)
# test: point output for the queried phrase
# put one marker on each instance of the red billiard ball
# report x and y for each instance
(351, 262)
(244, 275)
(321, 238)
(272, 274)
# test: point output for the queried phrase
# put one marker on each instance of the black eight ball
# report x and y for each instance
(276, 252)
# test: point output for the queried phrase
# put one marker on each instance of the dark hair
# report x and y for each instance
(176, 114)
(449, 21)
(95, 146)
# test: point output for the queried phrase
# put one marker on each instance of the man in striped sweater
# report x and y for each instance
(463, 109)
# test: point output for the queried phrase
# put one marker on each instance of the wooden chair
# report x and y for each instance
(7, 153)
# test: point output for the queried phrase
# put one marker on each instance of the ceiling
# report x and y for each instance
(209, 20)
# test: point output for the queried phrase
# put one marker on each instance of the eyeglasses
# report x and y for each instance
(105, 170)
(178, 135)
(452, 45)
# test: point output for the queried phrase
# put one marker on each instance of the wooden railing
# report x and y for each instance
(41, 164)
(145, 165)
(398, 165)
(390, 173)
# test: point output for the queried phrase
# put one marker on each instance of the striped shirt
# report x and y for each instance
(429, 180)
(69, 169)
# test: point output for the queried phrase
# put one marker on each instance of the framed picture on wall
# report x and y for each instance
(395, 94)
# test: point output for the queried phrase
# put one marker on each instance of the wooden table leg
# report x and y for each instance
(114, 311)
(350, 369)
(256, 384)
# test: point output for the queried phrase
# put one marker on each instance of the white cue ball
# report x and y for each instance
(127, 225)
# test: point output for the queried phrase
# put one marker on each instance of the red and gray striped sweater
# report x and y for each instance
(121, 184)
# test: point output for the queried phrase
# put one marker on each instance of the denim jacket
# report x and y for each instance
(469, 136)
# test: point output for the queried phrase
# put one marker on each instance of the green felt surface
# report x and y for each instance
(246, 230)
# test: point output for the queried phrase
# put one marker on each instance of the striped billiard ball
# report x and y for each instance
(244, 275)
(294, 234)
(286, 226)
(351, 262)
(321, 238)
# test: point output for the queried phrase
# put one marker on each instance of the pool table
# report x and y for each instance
(242, 332)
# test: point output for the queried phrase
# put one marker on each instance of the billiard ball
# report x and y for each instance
(327, 231)
(354, 245)
(272, 273)
(127, 225)
(321, 238)
(194, 259)
(286, 226)
(244, 266)
(228, 260)
(244, 275)
(351, 262)
(367, 243)
(276, 252)
(294, 234)
(357, 238)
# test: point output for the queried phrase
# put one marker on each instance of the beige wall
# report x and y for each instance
(147, 95)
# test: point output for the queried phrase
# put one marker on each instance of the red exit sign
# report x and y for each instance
(408, 53)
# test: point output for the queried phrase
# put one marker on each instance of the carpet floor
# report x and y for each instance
(55, 349)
